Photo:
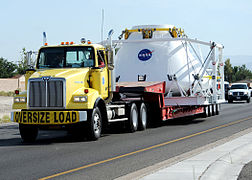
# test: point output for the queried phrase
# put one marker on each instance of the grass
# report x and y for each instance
(5, 119)
(10, 93)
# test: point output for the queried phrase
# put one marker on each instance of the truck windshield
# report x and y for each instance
(66, 57)
(238, 86)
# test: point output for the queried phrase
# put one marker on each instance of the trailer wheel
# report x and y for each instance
(133, 118)
(210, 110)
(248, 100)
(213, 109)
(142, 123)
(28, 133)
(95, 125)
(217, 109)
(205, 115)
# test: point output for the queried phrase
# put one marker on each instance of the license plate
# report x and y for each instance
(46, 117)
(238, 97)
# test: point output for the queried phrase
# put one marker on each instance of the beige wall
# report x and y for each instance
(10, 84)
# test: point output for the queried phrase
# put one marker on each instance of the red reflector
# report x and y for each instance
(16, 91)
(62, 43)
(67, 43)
(72, 43)
(86, 91)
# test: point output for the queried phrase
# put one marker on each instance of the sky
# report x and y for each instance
(227, 22)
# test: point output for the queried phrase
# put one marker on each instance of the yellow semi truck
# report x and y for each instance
(70, 85)
(74, 87)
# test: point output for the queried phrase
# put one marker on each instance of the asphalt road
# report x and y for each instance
(58, 155)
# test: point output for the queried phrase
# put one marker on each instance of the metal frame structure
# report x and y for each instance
(214, 97)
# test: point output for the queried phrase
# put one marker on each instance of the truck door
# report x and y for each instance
(100, 75)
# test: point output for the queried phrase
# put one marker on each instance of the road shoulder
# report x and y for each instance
(147, 172)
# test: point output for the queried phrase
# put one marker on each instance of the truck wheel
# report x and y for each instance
(142, 123)
(95, 125)
(230, 101)
(205, 114)
(28, 133)
(132, 118)
(248, 100)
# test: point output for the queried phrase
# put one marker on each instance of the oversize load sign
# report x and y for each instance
(46, 117)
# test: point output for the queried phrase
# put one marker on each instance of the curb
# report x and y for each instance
(165, 169)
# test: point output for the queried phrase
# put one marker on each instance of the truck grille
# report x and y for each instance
(238, 93)
(46, 92)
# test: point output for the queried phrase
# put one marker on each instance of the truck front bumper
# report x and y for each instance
(238, 98)
(48, 117)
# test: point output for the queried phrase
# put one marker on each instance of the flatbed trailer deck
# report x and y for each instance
(153, 94)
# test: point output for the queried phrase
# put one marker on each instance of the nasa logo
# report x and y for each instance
(103, 80)
(145, 54)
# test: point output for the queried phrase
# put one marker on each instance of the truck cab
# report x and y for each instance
(69, 85)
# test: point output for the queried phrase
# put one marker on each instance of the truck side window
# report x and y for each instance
(86, 58)
(101, 61)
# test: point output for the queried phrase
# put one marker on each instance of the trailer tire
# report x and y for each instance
(210, 110)
(28, 133)
(132, 118)
(94, 125)
(213, 109)
(217, 109)
(142, 119)
(206, 111)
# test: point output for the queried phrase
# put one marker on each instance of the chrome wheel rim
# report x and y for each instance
(134, 118)
(144, 117)
(97, 123)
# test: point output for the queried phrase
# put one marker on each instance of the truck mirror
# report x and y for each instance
(110, 67)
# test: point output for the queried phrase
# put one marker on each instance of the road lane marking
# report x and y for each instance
(145, 149)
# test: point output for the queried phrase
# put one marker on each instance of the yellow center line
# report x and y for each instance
(145, 149)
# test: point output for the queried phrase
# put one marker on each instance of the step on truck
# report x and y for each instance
(156, 74)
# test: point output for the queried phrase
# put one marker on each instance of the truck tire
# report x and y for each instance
(248, 100)
(28, 133)
(94, 125)
(132, 118)
(230, 101)
(142, 119)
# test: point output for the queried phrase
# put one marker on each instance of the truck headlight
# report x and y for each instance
(246, 93)
(19, 99)
(230, 93)
(80, 98)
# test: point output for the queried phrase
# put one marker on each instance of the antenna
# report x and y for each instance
(102, 25)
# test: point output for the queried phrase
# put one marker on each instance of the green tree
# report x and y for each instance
(7, 69)
(242, 73)
(23, 64)
(236, 73)
(228, 71)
